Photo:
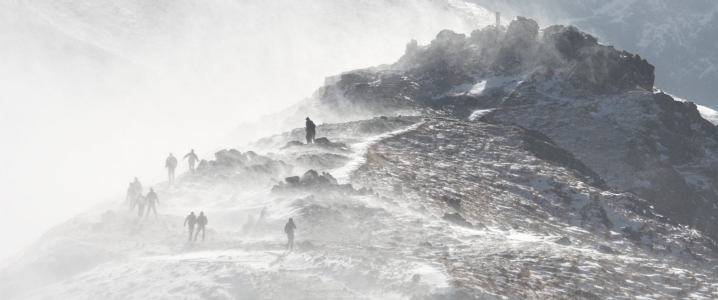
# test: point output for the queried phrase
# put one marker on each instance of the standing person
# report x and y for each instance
(192, 159)
(137, 185)
(289, 230)
(171, 164)
(311, 131)
(140, 201)
(191, 220)
(201, 222)
(151, 198)
(130, 198)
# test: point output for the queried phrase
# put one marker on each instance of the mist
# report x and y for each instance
(93, 94)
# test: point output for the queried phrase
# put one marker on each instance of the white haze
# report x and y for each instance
(94, 93)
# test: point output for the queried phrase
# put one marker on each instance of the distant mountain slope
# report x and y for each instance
(678, 37)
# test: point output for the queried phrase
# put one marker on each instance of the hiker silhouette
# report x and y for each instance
(171, 164)
(311, 131)
(150, 199)
(201, 223)
(192, 159)
(289, 230)
(191, 220)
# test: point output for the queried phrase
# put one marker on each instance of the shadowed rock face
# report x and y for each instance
(601, 67)
(645, 143)
(518, 46)
(543, 147)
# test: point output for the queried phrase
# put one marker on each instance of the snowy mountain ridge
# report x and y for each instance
(564, 84)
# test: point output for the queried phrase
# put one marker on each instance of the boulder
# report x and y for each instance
(416, 278)
(230, 157)
(313, 181)
(568, 41)
(330, 178)
(292, 180)
(306, 245)
(449, 41)
(453, 202)
(602, 67)
(203, 165)
(312, 178)
(322, 140)
(457, 219)
(563, 241)
(606, 250)
(518, 46)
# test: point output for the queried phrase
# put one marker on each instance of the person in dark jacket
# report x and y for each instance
(192, 159)
(201, 222)
(311, 131)
(137, 185)
(131, 195)
(171, 164)
(140, 201)
(151, 198)
(191, 220)
(289, 230)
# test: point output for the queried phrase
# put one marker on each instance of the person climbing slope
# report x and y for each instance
(171, 164)
(192, 159)
(151, 198)
(289, 230)
(201, 223)
(191, 220)
(311, 131)
(140, 201)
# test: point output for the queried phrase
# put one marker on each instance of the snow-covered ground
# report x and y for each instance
(528, 228)
(521, 208)
(359, 158)
(708, 114)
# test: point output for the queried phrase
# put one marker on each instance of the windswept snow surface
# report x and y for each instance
(532, 229)
(539, 230)
(708, 114)
(508, 84)
(476, 115)
(359, 157)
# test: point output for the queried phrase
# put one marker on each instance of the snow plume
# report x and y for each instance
(94, 93)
